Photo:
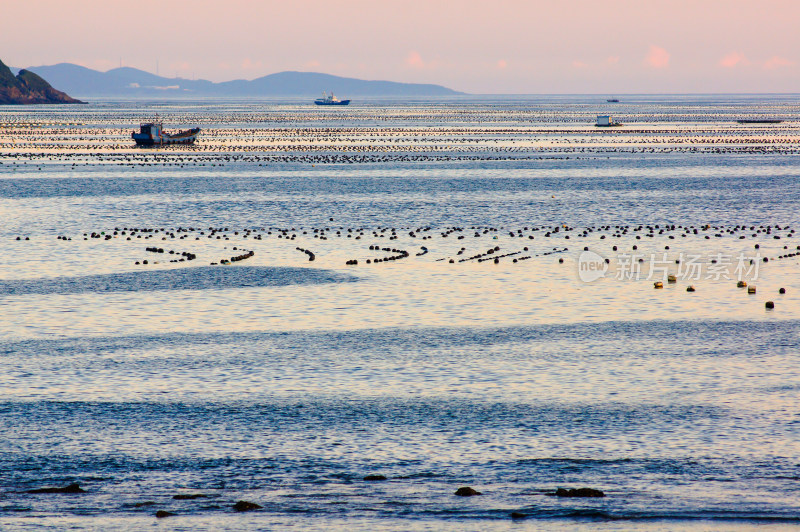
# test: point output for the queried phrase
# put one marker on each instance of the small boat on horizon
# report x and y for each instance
(612, 100)
(153, 134)
(759, 121)
(330, 100)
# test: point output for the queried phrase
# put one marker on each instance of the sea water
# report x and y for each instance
(285, 382)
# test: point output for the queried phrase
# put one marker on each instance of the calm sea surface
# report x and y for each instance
(480, 311)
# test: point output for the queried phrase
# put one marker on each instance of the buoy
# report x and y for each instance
(672, 279)
(690, 288)
(658, 284)
(782, 291)
(751, 289)
(769, 304)
(741, 284)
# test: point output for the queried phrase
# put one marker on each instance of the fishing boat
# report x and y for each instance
(612, 100)
(330, 100)
(153, 134)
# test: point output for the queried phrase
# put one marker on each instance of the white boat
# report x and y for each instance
(330, 100)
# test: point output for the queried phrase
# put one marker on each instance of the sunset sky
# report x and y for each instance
(578, 46)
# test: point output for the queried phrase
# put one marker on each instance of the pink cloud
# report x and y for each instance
(313, 64)
(414, 60)
(612, 60)
(180, 65)
(733, 59)
(502, 64)
(249, 64)
(579, 64)
(657, 57)
(778, 62)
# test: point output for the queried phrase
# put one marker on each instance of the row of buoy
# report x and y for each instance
(310, 254)
(227, 232)
(398, 255)
(237, 258)
(548, 232)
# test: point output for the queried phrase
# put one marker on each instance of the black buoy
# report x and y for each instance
(769, 305)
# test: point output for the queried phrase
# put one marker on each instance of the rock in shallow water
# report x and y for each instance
(143, 504)
(163, 513)
(246, 506)
(72, 488)
(466, 491)
(578, 492)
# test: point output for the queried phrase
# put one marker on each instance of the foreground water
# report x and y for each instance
(286, 382)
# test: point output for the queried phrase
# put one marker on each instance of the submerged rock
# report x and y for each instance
(466, 491)
(71, 488)
(246, 506)
(373, 478)
(143, 504)
(518, 515)
(578, 492)
(163, 513)
(188, 496)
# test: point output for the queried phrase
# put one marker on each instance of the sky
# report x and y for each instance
(481, 47)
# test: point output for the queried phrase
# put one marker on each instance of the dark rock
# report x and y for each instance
(246, 506)
(374, 477)
(163, 513)
(72, 488)
(466, 491)
(518, 515)
(143, 504)
(579, 492)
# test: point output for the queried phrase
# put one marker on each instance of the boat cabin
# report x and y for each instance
(151, 129)
(604, 120)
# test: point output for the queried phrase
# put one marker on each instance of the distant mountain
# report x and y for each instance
(28, 88)
(128, 81)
